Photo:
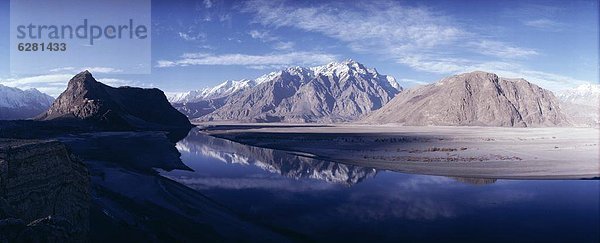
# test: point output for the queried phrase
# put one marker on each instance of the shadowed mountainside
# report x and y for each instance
(88, 100)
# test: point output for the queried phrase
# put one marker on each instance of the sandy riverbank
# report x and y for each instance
(478, 152)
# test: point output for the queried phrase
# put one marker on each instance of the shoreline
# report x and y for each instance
(474, 152)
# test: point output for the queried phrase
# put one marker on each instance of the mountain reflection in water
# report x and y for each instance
(274, 161)
(317, 200)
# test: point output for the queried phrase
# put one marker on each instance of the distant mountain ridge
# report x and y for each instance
(582, 104)
(585, 94)
(226, 88)
(22, 104)
(88, 100)
(335, 92)
(474, 99)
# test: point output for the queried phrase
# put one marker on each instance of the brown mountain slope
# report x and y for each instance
(473, 99)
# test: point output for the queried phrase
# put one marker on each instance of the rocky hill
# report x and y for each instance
(86, 99)
(473, 99)
(336, 92)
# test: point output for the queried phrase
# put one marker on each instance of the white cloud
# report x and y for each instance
(261, 35)
(62, 69)
(500, 49)
(225, 17)
(412, 81)
(505, 69)
(538, 16)
(91, 69)
(544, 24)
(418, 37)
(192, 36)
(252, 61)
(114, 82)
(377, 24)
(382, 27)
(551, 81)
(284, 45)
(54, 84)
(207, 3)
(103, 70)
(266, 37)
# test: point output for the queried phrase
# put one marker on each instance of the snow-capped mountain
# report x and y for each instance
(582, 104)
(585, 94)
(350, 67)
(230, 87)
(372, 87)
(338, 91)
(22, 104)
(226, 88)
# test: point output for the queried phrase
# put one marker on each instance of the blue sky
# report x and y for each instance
(197, 44)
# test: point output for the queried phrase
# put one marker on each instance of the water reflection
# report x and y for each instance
(274, 161)
(475, 181)
(324, 201)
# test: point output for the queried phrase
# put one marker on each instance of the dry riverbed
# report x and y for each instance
(478, 152)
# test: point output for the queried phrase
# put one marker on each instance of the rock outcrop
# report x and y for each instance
(473, 99)
(44, 193)
(86, 99)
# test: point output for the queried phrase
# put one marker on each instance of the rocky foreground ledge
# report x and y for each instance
(44, 193)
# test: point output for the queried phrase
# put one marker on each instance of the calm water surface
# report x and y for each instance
(317, 200)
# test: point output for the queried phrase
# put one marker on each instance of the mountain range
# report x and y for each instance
(474, 99)
(18, 104)
(585, 94)
(224, 89)
(335, 92)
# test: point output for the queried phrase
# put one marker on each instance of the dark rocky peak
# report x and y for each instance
(86, 99)
(83, 85)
